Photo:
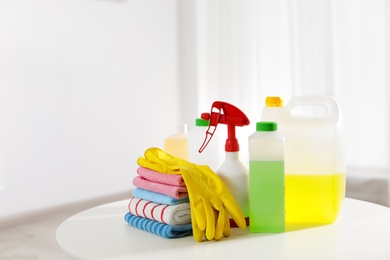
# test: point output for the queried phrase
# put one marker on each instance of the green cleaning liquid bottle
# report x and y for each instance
(266, 179)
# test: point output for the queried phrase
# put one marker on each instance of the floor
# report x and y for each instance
(37, 239)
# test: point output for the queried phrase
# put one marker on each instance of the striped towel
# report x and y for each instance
(160, 229)
(175, 215)
(157, 197)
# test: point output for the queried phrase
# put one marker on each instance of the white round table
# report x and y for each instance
(362, 231)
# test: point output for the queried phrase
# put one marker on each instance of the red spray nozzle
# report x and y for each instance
(224, 113)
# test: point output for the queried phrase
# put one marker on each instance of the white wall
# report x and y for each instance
(85, 87)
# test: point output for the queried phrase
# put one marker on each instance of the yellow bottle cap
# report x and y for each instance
(273, 102)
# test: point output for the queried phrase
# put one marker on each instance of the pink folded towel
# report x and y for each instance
(175, 215)
(173, 191)
(170, 179)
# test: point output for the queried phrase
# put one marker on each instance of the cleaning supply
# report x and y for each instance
(177, 192)
(211, 156)
(273, 109)
(210, 199)
(232, 172)
(150, 175)
(266, 179)
(157, 228)
(177, 144)
(157, 197)
(314, 158)
(175, 215)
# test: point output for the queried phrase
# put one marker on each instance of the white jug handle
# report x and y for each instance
(333, 109)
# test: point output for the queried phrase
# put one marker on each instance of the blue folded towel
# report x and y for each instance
(157, 197)
(163, 230)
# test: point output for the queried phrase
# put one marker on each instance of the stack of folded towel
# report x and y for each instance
(160, 204)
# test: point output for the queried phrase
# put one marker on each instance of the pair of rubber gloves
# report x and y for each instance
(211, 201)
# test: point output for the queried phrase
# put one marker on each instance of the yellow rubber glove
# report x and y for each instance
(211, 201)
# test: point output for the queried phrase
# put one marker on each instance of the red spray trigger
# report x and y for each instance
(224, 113)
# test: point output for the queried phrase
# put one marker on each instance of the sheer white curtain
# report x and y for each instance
(242, 51)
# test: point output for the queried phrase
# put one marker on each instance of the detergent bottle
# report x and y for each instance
(232, 172)
(266, 179)
(177, 144)
(273, 109)
(210, 156)
(315, 170)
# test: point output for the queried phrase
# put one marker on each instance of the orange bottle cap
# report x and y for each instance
(273, 102)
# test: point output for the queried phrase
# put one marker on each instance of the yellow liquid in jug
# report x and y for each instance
(313, 199)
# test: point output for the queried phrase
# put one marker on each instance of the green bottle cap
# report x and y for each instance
(201, 122)
(266, 126)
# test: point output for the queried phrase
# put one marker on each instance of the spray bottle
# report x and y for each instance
(232, 172)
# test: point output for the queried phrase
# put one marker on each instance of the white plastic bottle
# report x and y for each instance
(232, 172)
(209, 156)
(236, 177)
(266, 179)
(273, 110)
(177, 144)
